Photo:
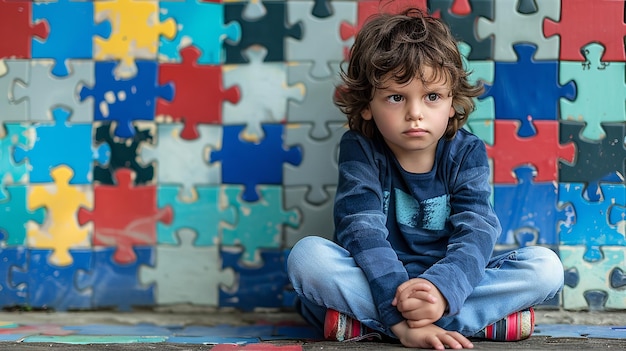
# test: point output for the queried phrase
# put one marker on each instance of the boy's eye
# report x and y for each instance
(432, 97)
(395, 98)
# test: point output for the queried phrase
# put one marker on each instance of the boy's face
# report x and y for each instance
(412, 117)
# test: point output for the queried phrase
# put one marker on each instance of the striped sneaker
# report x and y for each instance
(340, 327)
(516, 326)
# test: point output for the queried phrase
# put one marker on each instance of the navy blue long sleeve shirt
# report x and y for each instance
(397, 225)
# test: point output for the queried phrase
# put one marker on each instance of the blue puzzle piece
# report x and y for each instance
(62, 143)
(526, 208)
(51, 286)
(14, 214)
(591, 226)
(117, 285)
(107, 329)
(258, 286)
(68, 39)
(528, 90)
(11, 172)
(126, 99)
(10, 257)
(250, 163)
(200, 24)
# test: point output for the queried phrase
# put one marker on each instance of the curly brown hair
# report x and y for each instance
(400, 46)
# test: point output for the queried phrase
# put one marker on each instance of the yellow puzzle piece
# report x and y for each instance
(61, 230)
(135, 32)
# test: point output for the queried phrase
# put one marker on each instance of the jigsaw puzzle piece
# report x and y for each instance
(203, 277)
(43, 91)
(15, 216)
(592, 290)
(542, 151)
(528, 90)
(67, 39)
(608, 155)
(583, 22)
(591, 226)
(527, 210)
(13, 134)
(320, 155)
(135, 32)
(315, 104)
(16, 18)
(596, 80)
(481, 72)
(528, 28)
(264, 93)
(317, 33)
(257, 286)
(268, 31)
(52, 145)
(257, 163)
(181, 161)
(124, 154)
(12, 72)
(200, 24)
(116, 285)
(61, 231)
(463, 24)
(128, 223)
(10, 294)
(52, 287)
(125, 100)
(198, 92)
(260, 224)
(204, 214)
(315, 217)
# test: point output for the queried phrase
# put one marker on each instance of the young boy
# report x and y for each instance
(414, 227)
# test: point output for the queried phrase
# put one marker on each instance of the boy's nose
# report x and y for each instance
(415, 112)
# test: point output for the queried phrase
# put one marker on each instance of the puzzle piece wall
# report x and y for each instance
(172, 152)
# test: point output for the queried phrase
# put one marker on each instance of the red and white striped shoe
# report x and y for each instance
(514, 327)
(340, 327)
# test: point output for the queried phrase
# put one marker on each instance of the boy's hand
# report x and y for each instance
(420, 302)
(430, 336)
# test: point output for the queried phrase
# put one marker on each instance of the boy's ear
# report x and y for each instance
(366, 114)
(452, 112)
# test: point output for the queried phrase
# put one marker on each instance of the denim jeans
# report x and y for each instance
(324, 276)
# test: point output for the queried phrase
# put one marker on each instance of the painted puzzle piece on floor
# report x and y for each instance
(119, 330)
(527, 207)
(254, 163)
(116, 285)
(257, 286)
(198, 92)
(257, 347)
(320, 166)
(578, 331)
(200, 24)
(592, 289)
(15, 216)
(204, 214)
(260, 224)
(12, 134)
(68, 39)
(264, 93)
(542, 151)
(528, 90)
(509, 26)
(128, 223)
(16, 18)
(596, 80)
(202, 280)
(52, 287)
(94, 339)
(591, 226)
(62, 143)
(125, 100)
(582, 22)
(60, 232)
(180, 161)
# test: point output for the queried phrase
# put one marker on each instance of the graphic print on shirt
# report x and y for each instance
(430, 214)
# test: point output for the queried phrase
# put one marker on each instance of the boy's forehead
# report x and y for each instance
(429, 77)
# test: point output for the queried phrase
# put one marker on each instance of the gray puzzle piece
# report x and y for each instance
(12, 71)
(316, 219)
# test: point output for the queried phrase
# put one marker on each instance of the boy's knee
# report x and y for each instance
(550, 272)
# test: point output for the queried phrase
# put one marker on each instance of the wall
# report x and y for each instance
(160, 153)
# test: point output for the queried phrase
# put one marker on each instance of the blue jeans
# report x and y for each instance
(324, 276)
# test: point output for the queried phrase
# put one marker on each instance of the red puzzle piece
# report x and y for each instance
(17, 29)
(542, 151)
(583, 22)
(198, 92)
(124, 216)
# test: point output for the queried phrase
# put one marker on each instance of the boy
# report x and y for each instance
(414, 227)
